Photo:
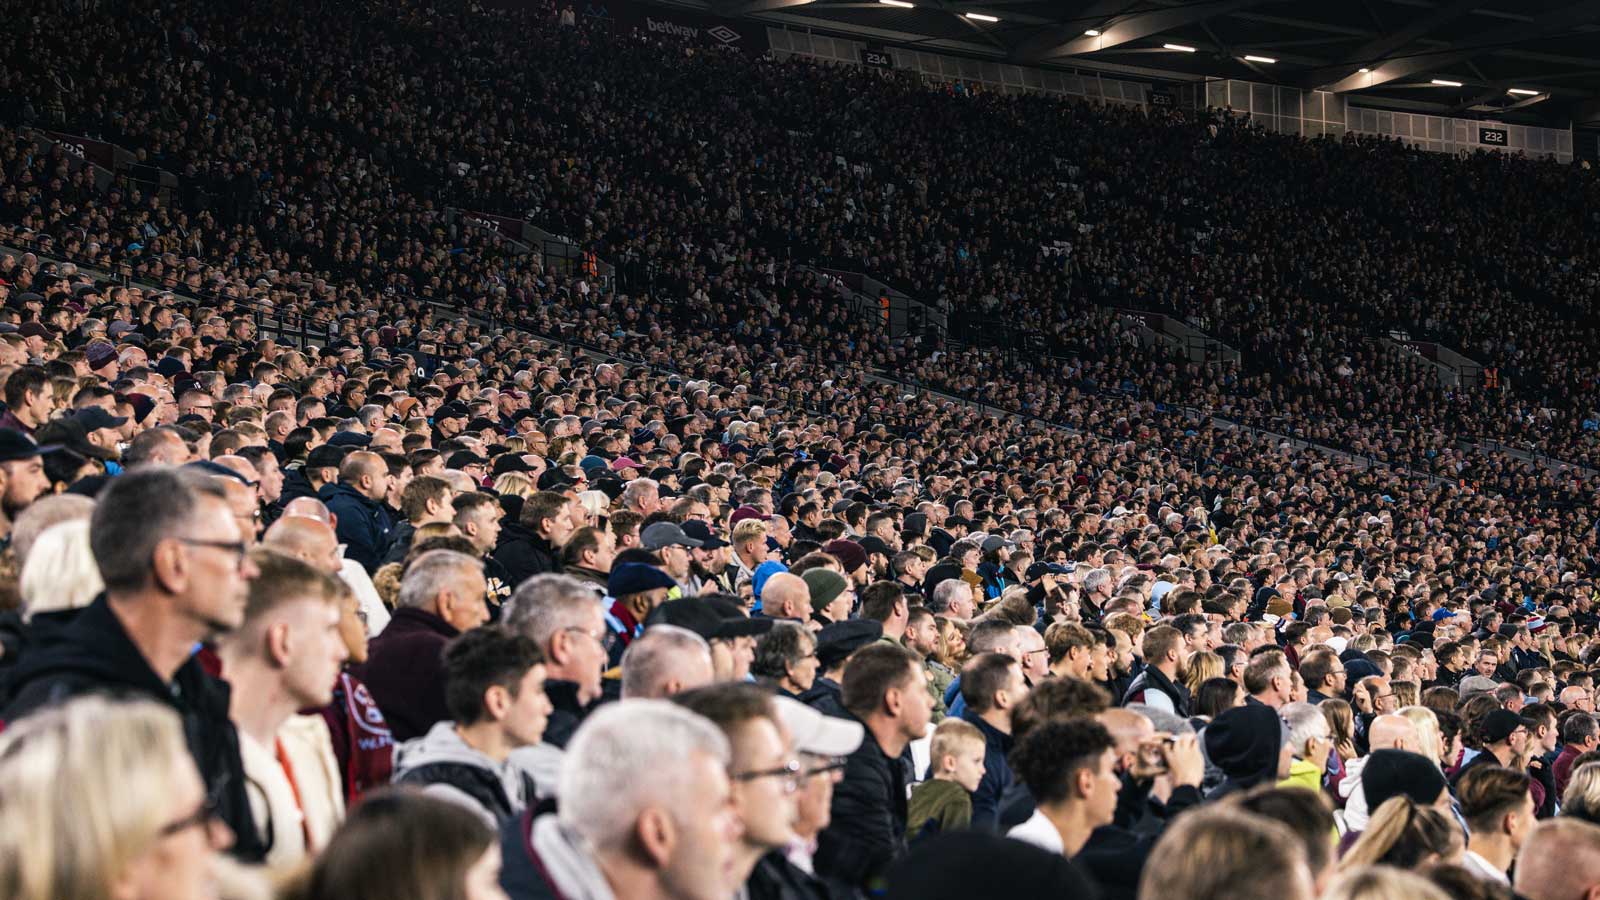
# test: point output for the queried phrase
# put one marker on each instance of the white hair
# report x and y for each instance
(60, 573)
(659, 655)
(1305, 722)
(637, 487)
(546, 604)
(1096, 578)
(601, 789)
(431, 574)
(946, 592)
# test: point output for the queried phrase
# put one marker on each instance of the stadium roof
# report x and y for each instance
(1532, 60)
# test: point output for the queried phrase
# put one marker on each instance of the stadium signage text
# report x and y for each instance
(874, 55)
(1499, 137)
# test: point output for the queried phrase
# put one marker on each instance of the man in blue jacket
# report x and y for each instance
(357, 500)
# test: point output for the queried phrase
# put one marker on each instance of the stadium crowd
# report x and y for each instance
(355, 554)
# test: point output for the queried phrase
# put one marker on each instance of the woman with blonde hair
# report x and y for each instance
(1402, 833)
(514, 484)
(1203, 667)
(952, 648)
(1582, 799)
(60, 574)
(1341, 727)
(102, 800)
(1428, 728)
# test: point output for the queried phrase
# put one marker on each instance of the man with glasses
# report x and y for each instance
(1324, 675)
(764, 770)
(176, 572)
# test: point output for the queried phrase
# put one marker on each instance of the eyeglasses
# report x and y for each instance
(237, 548)
(823, 765)
(205, 816)
(598, 639)
(790, 773)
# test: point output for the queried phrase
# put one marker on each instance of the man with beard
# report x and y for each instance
(708, 563)
(22, 478)
(176, 572)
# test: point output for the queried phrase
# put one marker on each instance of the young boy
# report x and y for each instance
(944, 802)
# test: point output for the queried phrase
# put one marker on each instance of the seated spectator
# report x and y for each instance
(1248, 744)
(960, 866)
(1406, 834)
(884, 689)
(665, 661)
(992, 686)
(441, 597)
(125, 767)
(1382, 883)
(532, 544)
(944, 801)
(356, 501)
(167, 589)
(1069, 766)
(685, 816)
(1226, 854)
(285, 657)
(1580, 733)
(361, 738)
(425, 849)
(1158, 685)
(494, 689)
(823, 743)
(1497, 804)
(786, 658)
(763, 771)
(1560, 860)
(1582, 798)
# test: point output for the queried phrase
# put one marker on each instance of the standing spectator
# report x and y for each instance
(494, 689)
(441, 596)
(284, 657)
(176, 571)
(885, 690)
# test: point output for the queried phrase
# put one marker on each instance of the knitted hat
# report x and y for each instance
(825, 586)
(1390, 773)
(849, 553)
(1244, 742)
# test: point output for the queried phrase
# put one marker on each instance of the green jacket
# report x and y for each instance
(936, 807)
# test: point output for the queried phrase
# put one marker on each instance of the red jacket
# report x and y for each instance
(1562, 768)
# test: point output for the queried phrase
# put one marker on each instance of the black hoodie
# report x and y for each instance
(95, 654)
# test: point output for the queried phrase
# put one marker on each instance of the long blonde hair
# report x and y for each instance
(1401, 833)
(85, 787)
(1203, 666)
(1427, 728)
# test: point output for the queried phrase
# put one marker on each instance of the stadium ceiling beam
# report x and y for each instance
(1402, 67)
(1122, 31)
(751, 7)
(1385, 44)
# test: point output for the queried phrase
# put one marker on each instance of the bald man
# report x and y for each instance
(1136, 739)
(1560, 860)
(356, 500)
(305, 531)
(1391, 732)
(785, 596)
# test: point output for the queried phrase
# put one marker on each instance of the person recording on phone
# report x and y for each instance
(1160, 775)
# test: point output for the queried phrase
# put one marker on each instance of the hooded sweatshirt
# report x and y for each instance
(448, 767)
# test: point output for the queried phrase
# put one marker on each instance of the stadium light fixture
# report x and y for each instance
(900, 3)
(1178, 47)
(1441, 82)
(980, 17)
(1260, 59)
(1522, 92)
(1365, 70)
(1093, 32)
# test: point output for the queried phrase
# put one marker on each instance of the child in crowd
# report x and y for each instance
(944, 802)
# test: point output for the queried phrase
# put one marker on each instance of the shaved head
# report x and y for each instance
(1560, 860)
(1394, 733)
(786, 595)
(310, 507)
(309, 540)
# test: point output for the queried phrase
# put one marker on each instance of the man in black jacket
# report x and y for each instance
(885, 689)
(174, 565)
(532, 545)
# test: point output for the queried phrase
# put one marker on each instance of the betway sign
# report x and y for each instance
(720, 33)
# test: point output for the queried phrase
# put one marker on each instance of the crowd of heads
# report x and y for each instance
(354, 550)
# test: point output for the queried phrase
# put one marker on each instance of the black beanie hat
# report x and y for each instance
(1390, 773)
(1244, 741)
